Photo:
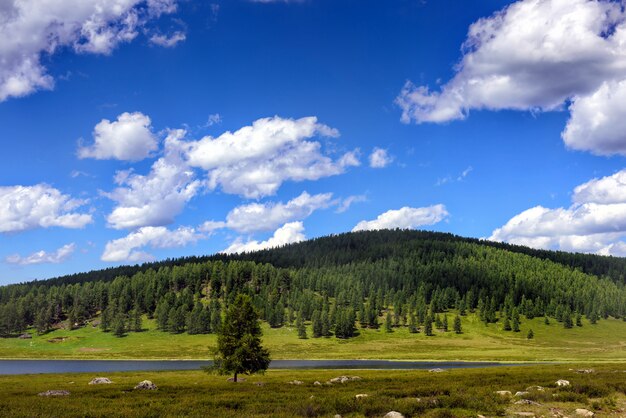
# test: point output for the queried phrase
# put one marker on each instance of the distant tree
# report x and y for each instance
(412, 324)
(176, 320)
(195, 323)
(506, 325)
(316, 324)
(445, 323)
(325, 323)
(438, 323)
(428, 326)
(162, 314)
(530, 334)
(119, 325)
(388, 323)
(579, 319)
(567, 319)
(239, 349)
(546, 320)
(457, 325)
(136, 320)
(593, 318)
(515, 321)
(300, 326)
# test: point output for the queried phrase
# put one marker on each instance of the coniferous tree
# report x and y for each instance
(119, 325)
(506, 326)
(316, 324)
(412, 324)
(136, 319)
(579, 319)
(300, 326)
(515, 320)
(530, 334)
(445, 323)
(457, 325)
(428, 326)
(546, 320)
(388, 323)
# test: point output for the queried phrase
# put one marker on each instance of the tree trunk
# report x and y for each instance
(235, 377)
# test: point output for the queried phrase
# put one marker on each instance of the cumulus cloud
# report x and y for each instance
(168, 41)
(30, 30)
(405, 218)
(595, 222)
(256, 217)
(156, 198)
(287, 234)
(129, 247)
(255, 160)
(43, 257)
(379, 158)
(538, 55)
(345, 204)
(39, 206)
(129, 138)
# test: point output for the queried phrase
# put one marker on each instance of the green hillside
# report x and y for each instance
(383, 294)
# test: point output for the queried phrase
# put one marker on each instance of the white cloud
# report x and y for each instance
(43, 257)
(287, 234)
(345, 204)
(256, 217)
(168, 41)
(449, 179)
(595, 222)
(129, 138)
(30, 30)
(538, 55)
(38, 206)
(405, 218)
(156, 198)
(379, 158)
(213, 119)
(128, 248)
(255, 160)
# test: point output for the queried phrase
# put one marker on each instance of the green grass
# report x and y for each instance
(453, 393)
(603, 342)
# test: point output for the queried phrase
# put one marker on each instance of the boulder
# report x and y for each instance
(361, 395)
(100, 381)
(562, 383)
(436, 370)
(504, 393)
(54, 393)
(585, 371)
(537, 388)
(25, 337)
(344, 379)
(527, 402)
(519, 394)
(337, 416)
(581, 412)
(146, 385)
(296, 382)
(394, 414)
(316, 383)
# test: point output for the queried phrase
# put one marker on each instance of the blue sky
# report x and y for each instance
(164, 128)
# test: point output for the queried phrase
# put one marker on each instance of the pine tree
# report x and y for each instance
(194, 322)
(515, 321)
(176, 320)
(136, 317)
(445, 323)
(316, 324)
(162, 314)
(300, 326)
(593, 318)
(388, 323)
(412, 324)
(325, 323)
(457, 325)
(530, 334)
(428, 326)
(567, 320)
(579, 319)
(438, 323)
(119, 325)
(546, 320)
(507, 324)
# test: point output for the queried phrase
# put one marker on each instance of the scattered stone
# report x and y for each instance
(436, 370)
(394, 414)
(95, 324)
(54, 393)
(585, 371)
(480, 416)
(316, 383)
(525, 414)
(584, 412)
(146, 385)
(527, 402)
(259, 383)
(100, 381)
(337, 416)
(562, 383)
(361, 395)
(518, 394)
(537, 388)
(239, 379)
(504, 393)
(296, 382)
(25, 337)
(344, 379)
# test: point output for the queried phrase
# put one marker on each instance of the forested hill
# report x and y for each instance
(335, 250)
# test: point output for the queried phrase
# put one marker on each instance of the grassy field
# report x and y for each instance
(603, 342)
(452, 393)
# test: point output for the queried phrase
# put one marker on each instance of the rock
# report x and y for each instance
(361, 395)
(436, 370)
(394, 414)
(584, 412)
(525, 414)
(585, 371)
(337, 416)
(537, 388)
(504, 393)
(344, 379)
(54, 393)
(296, 382)
(316, 383)
(562, 383)
(25, 337)
(100, 381)
(527, 402)
(239, 379)
(480, 416)
(146, 385)
(517, 394)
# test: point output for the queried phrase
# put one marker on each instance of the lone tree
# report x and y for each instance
(239, 349)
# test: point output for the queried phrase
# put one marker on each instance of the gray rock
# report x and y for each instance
(146, 385)
(527, 402)
(394, 414)
(504, 393)
(537, 388)
(100, 381)
(584, 412)
(344, 379)
(296, 382)
(316, 383)
(25, 336)
(518, 394)
(54, 393)
(239, 379)
(525, 414)
(585, 371)
(436, 370)
(361, 395)
(562, 383)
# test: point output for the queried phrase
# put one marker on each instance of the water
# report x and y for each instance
(102, 366)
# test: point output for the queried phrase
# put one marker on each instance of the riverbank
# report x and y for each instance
(451, 393)
(602, 342)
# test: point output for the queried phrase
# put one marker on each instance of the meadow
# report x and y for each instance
(451, 393)
(602, 342)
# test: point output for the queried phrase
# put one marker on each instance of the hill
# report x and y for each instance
(368, 286)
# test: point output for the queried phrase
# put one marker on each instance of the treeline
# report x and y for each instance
(339, 284)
